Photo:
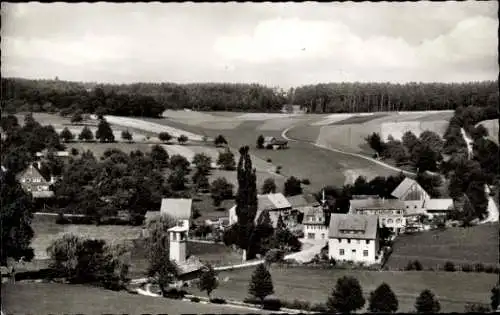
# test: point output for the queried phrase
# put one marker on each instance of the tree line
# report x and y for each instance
(151, 99)
(376, 97)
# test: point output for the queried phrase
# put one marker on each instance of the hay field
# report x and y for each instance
(315, 285)
(265, 116)
(279, 124)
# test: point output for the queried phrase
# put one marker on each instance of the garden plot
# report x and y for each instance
(150, 127)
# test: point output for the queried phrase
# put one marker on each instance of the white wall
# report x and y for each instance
(320, 231)
(359, 246)
(177, 250)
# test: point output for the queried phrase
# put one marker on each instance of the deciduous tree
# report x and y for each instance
(208, 280)
(66, 135)
(427, 302)
(261, 283)
(383, 300)
(104, 132)
(269, 186)
(292, 187)
(347, 296)
(86, 134)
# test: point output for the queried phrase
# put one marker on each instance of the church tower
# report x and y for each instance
(178, 242)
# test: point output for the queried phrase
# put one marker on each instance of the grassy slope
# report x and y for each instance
(459, 245)
(99, 148)
(51, 298)
(315, 285)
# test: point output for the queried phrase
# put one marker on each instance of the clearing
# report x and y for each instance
(54, 298)
(315, 285)
(477, 244)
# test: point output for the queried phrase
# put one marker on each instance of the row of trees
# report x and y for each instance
(141, 99)
(151, 99)
(375, 97)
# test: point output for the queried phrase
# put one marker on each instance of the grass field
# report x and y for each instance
(454, 290)
(52, 298)
(359, 119)
(492, 127)
(478, 244)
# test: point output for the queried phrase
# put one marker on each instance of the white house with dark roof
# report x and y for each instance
(33, 182)
(418, 201)
(314, 225)
(274, 204)
(354, 238)
(391, 212)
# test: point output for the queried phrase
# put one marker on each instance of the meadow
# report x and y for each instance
(54, 298)
(477, 244)
(492, 127)
(453, 290)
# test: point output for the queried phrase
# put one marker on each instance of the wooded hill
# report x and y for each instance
(151, 99)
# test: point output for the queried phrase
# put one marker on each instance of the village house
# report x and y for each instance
(300, 205)
(274, 204)
(45, 154)
(354, 238)
(178, 208)
(314, 223)
(418, 201)
(275, 144)
(390, 212)
(34, 183)
(292, 109)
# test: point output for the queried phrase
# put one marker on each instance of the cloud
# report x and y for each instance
(276, 44)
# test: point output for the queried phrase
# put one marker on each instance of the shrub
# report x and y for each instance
(489, 269)
(414, 265)
(274, 256)
(449, 266)
(271, 304)
(74, 151)
(476, 308)
(320, 308)
(174, 293)
(218, 301)
(466, 268)
(306, 181)
(61, 219)
(269, 160)
(195, 299)
(297, 304)
(479, 267)
(251, 300)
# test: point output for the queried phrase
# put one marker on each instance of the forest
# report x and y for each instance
(151, 99)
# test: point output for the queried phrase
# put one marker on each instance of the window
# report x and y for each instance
(398, 220)
(367, 242)
(415, 207)
(383, 219)
(323, 236)
(354, 252)
(341, 252)
(357, 241)
(398, 212)
(389, 221)
(340, 240)
(310, 235)
(365, 253)
(348, 241)
(407, 207)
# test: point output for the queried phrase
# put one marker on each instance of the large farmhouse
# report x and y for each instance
(177, 208)
(274, 204)
(353, 238)
(390, 212)
(417, 200)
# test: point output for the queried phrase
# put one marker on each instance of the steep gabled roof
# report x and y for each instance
(177, 208)
(302, 200)
(272, 201)
(403, 187)
(342, 225)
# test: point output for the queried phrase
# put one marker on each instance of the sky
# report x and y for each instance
(276, 44)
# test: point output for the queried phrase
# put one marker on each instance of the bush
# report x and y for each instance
(476, 308)
(61, 219)
(320, 308)
(175, 294)
(297, 304)
(479, 267)
(269, 160)
(489, 269)
(271, 304)
(414, 265)
(449, 266)
(274, 256)
(466, 268)
(251, 300)
(306, 181)
(218, 301)
(195, 299)
(74, 151)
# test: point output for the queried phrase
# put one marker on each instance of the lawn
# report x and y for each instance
(52, 298)
(454, 290)
(99, 148)
(478, 244)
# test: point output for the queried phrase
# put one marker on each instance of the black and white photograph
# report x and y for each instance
(249, 157)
